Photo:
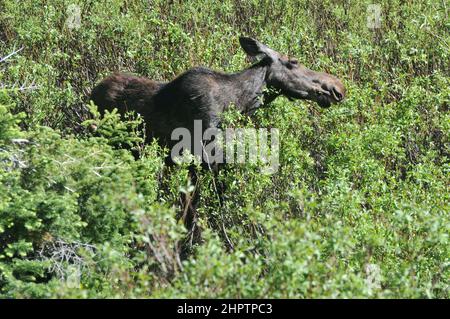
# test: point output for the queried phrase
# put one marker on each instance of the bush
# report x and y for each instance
(358, 207)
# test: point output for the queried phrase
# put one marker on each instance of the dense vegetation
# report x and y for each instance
(358, 208)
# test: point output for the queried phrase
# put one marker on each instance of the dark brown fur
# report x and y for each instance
(125, 92)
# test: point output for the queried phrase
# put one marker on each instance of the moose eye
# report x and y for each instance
(291, 63)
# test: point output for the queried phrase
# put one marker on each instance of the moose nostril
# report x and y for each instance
(337, 94)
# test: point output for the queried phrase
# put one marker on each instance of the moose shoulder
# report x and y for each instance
(203, 94)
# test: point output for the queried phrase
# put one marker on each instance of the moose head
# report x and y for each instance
(292, 79)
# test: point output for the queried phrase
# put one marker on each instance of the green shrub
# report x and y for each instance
(359, 205)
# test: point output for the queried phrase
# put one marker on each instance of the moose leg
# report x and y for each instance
(213, 157)
(190, 201)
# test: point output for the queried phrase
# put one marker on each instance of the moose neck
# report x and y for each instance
(248, 87)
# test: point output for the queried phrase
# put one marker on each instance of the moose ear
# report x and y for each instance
(254, 48)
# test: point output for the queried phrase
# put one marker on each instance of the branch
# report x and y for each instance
(10, 55)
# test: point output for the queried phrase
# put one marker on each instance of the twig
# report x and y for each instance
(22, 87)
(10, 55)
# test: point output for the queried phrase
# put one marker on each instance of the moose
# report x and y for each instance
(203, 94)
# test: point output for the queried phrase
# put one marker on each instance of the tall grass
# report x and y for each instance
(358, 208)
